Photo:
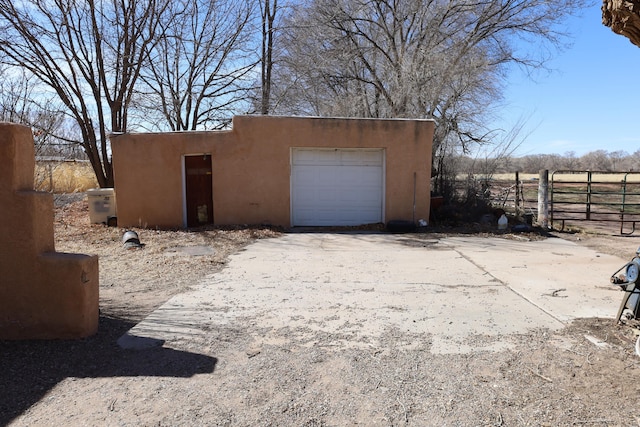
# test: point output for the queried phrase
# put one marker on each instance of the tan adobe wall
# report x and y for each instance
(251, 167)
(43, 293)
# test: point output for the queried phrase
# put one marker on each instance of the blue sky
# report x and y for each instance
(590, 101)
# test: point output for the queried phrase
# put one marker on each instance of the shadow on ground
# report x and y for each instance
(31, 368)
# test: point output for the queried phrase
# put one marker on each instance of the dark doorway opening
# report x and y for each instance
(198, 189)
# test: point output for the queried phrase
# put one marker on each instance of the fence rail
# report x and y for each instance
(595, 196)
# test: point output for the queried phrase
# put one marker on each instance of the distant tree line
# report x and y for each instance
(599, 160)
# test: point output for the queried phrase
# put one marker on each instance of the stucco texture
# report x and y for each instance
(251, 167)
(43, 294)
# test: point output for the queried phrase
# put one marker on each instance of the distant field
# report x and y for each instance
(512, 176)
(64, 177)
(577, 176)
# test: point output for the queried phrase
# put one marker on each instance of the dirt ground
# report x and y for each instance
(585, 375)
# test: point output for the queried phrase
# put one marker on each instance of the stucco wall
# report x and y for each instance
(43, 294)
(251, 167)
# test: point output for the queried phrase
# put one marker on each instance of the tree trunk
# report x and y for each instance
(268, 17)
(623, 17)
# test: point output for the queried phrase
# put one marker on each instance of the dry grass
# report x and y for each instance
(64, 177)
(512, 176)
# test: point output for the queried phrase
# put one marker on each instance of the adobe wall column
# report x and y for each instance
(43, 293)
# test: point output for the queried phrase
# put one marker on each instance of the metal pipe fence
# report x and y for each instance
(575, 197)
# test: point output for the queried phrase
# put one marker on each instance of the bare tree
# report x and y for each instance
(569, 161)
(617, 159)
(634, 161)
(20, 102)
(89, 54)
(199, 73)
(415, 58)
(597, 160)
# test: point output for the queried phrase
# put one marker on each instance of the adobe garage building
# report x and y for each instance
(285, 171)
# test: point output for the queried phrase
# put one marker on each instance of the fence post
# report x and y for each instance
(517, 196)
(543, 199)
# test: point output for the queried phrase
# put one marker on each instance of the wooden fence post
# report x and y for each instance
(517, 195)
(543, 199)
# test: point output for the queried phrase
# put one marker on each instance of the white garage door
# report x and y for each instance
(336, 187)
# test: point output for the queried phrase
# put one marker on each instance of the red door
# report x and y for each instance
(199, 190)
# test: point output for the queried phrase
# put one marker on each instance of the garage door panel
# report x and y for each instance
(316, 157)
(371, 158)
(326, 195)
(337, 157)
(304, 177)
(328, 217)
(359, 175)
(336, 187)
(367, 199)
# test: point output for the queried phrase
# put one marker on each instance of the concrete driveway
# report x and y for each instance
(465, 293)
